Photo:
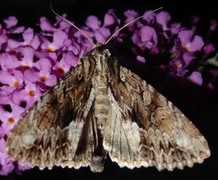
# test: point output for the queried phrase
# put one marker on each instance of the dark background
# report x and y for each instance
(199, 104)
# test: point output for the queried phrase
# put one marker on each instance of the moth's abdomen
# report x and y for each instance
(100, 83)
(101, 106)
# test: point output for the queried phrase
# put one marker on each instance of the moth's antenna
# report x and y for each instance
(134, 20)
(71, 23)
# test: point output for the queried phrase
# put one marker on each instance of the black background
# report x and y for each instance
(199, 104)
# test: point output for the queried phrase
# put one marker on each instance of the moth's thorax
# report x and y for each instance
(100, 84)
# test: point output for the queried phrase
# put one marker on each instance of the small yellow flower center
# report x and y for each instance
(31, 93)
(50, 48)
(176, 65)
(43, 78)
(61, 70)
(15, 83)
(186, 48)
(10, 120)
(25, 66)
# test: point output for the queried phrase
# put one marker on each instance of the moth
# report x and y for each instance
(102, 109)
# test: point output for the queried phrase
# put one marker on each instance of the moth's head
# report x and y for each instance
(101, 50)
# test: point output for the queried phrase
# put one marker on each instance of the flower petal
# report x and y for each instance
(45, 24)
(109, 18)
(163, 18)
(185, 37)
(101, 35)
(70, 59)
(27, 56)
(58, 39)
(130, 15)
(209, 48)
(149, 16)
(196, 78)
(6, 77)
(44, 65)
(11, 22)
(196, 44)
(8, 61)
(93, 22)
(148, 36)
(51, 80)
(140, 59)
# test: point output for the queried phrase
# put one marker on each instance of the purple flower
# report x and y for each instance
(195, 21)
(71, 59)
(31, 39)
(149, 17)
(101, 33)
(110, 19)
(28, 39)
(189, 41)
(93, 22)
(184, 50)
(7, 165)
(163, 18)
(61, 24)
(14, 78)
(8, 61)
(10, 119)
(58, 39)
(155, 50)
(145, 38)
(67, 61)
(11, 80)
(77, 49)
(187, 58)
(208, 49)
(213, 25)
(11, 22)
(5, 99)
(61, 67)
(175, 28)
(2, 145)
(83, 41)
(95, 30)
(44, 74)
(29, 95)
(20, 167)
(46, 25)
(26, 57)
(2, 134)
(140, 58)
(196, 78)
(176, 66)
(130, 15)
(3, 38)
(6, 162)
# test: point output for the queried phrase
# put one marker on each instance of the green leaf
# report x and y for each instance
(212, 61)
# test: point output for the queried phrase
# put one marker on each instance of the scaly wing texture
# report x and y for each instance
(59, 129)
(145, 129)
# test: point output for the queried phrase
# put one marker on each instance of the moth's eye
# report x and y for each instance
(106, 53)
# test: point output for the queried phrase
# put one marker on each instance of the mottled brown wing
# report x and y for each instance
(59, 129)
(145, 129)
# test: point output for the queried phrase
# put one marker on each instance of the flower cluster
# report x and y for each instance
(31, 62)
(172, 47)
